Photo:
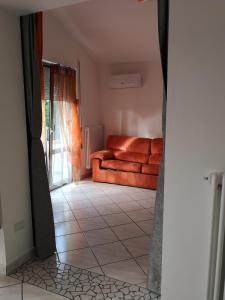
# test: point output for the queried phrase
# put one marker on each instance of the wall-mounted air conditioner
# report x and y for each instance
(124, 81)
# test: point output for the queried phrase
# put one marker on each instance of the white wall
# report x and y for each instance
(14, 178)
(61, 47)
(133, 111)
(195, 142)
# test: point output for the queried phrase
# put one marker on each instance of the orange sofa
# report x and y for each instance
(129, 161)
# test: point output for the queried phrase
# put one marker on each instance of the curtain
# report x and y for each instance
(42, 216)
(155, 258)
(45, 114)
(63, 90)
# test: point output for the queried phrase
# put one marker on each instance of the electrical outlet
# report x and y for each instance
(19, 226)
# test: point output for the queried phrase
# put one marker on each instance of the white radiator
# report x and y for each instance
(217, 259)
(93, 141)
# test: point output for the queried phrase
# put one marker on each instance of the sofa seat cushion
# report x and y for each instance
(131, 156)
(121, 166)
(103, 154)
(152, 169)
(155, 158)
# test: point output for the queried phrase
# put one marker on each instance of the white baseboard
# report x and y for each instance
(11, 267)
(2, 269)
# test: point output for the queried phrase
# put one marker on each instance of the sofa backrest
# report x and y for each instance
(129, 143)
(157, 146)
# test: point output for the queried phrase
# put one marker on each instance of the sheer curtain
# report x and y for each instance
(67, 125)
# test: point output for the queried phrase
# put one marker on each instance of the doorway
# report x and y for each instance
(106, 228)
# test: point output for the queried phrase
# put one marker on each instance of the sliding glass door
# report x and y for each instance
(61, 169)
(54, 139)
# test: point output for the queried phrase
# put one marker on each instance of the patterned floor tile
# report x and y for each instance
(92, 223)
(127, 270)
(77, 284)
(117, 219)
(143, 262)
(100, 236)
(140, 215)
(81, 258)
(137, 246)
(108, 209)
(85, 213)
(63, 216)
(146, 226)
(127, 231)
(129, 206)
(66, 228)
(70, 242)
(112, 252)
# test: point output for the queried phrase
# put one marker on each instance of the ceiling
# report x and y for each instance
(21, 7)
(113, 31)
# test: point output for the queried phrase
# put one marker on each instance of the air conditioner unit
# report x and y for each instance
(124, 81)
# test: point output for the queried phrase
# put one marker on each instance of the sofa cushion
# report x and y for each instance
(128, 143)
(103, 154)
(155, 158)
(121, 165)
(131, 156)
(157, 146)
(152, 169)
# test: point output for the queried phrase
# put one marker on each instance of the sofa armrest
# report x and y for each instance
(102, 155)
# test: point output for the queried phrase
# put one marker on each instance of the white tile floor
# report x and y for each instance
(105, 228)
(12, 289)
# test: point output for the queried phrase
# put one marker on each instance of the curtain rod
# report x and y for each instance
(50, 63)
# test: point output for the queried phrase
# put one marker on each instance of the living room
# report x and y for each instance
(103, 227)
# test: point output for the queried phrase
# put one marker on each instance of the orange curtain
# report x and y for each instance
(39, 39)
(63, 81)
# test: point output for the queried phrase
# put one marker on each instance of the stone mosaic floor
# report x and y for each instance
(77, 284)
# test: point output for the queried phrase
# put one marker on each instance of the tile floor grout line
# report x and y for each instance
(117, 278)
(126, 259)
(140, 229)
(9, 285)
(108, 227)
(22, 294)
(98, 262)
(134, 221)
(109, 263)
(92, 246)
(140, 264)
(115, 213)
(103, 194)
(138, 221)
(131, 252)
(100, 266)
(101, 244)
(108, 243)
